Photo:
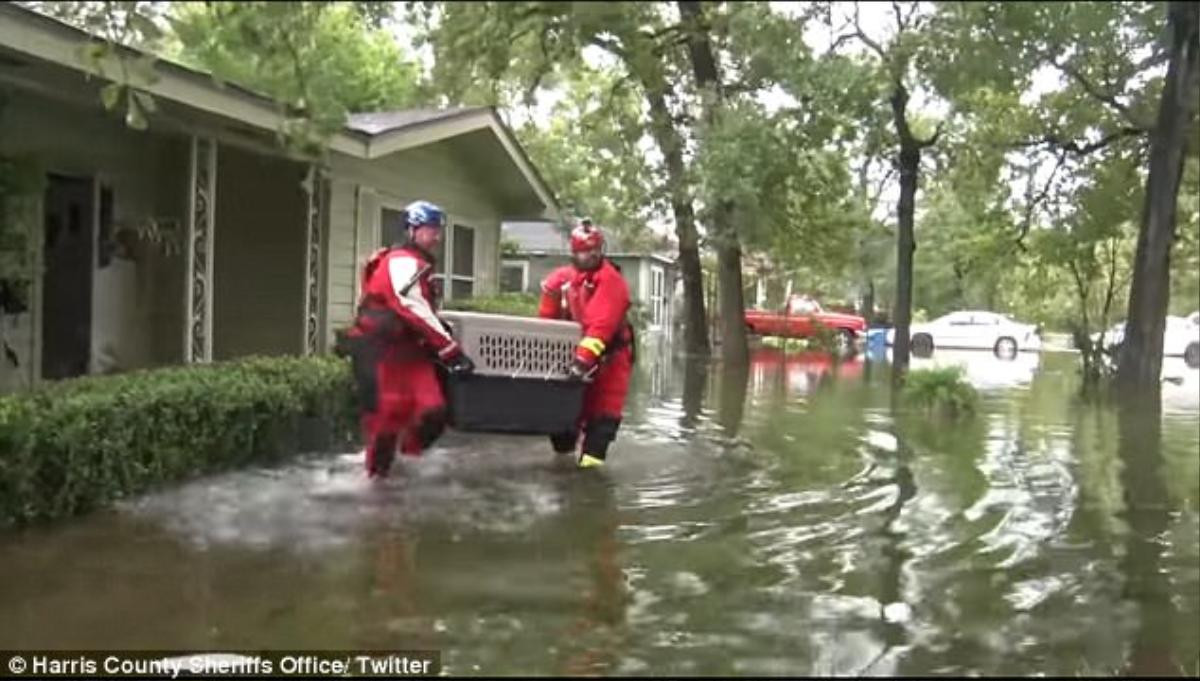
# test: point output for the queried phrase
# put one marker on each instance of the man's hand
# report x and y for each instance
(581, 371)
(459, 364)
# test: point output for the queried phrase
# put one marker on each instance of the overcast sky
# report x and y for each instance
(877, 21)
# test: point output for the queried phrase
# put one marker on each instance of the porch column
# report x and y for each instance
(202, 205)
(314, 214)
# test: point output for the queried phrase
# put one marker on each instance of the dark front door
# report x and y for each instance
(67, 286)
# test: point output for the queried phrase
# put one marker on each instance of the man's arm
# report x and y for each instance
(603, 317)
(550, 306)
(410, 303)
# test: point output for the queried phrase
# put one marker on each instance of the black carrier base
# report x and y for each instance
(520, 405)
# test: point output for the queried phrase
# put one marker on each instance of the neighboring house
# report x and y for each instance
(541, 247)
(200, 238)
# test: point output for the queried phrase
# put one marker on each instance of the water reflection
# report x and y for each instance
(800, 372)
(1147, 516)
(982, 369)
(732, 397)
(695, 380)
(785, 518)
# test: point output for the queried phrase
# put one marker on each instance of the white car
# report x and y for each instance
(1181, 338)
(973, 330)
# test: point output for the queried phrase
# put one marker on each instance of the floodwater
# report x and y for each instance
(784, 519)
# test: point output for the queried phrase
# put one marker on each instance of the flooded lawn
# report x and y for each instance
(778, 520)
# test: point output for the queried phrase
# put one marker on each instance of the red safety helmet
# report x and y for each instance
(586, 237)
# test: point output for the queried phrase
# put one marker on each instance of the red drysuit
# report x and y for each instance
(598, 299)
(394, 339)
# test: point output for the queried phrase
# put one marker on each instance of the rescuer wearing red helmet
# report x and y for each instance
(396, 338)
(592, 291)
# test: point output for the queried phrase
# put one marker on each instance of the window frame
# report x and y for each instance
(443, 269)
(524, 265)
(451, 250)
(658, 280)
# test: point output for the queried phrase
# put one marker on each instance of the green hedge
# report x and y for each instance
(526, 305)
(516, 304)
(75, 445)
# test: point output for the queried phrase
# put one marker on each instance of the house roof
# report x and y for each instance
(365, 135)
(379, 122)
(535, 237)
(538, 237)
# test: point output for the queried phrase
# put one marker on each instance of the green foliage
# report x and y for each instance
(117, 25)
(75, 445)
(589, 153)
(320, 60)
(516, 304)
(941, 390)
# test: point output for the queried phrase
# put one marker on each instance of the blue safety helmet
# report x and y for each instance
(420, 213)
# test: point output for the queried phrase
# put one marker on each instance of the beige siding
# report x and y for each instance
(143, 172)
(432, 173)
(258, 275)
(342, 259)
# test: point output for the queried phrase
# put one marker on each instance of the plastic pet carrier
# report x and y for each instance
(520, 382)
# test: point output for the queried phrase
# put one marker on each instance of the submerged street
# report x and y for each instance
(780, 520)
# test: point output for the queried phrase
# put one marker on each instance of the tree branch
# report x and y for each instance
(610, 46)
(1105, 98)
(1159, 57)
(612, 92)
(1038, 199)
(912, 9)
(937, 134)
(1052, 141)
(866, 40)
(899, 17)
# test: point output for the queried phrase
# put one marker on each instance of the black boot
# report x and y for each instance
(598, 434)
(380, 455)
(564, 443)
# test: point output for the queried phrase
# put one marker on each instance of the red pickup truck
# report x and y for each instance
(800, 319)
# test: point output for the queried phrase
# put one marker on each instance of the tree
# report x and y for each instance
(318, 60)
(898, 63)
(734, 347)
(1140, 360)
(592, 155)
(481, 47)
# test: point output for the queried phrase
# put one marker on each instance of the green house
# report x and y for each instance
(200, 238)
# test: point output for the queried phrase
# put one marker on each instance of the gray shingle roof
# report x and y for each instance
(379, 122)
(543, 236)
(535, 236)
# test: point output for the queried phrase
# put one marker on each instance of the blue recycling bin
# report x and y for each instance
(877, 343)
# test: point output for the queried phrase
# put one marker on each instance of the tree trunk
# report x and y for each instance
(732, 307)
(734, 346)
(1141, 351)
(868, 302)
(910, 159)
(909, 163)
(695, 331)
(1147, 515)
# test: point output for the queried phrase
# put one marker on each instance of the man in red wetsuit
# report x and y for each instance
(396, 338)
(592, 291)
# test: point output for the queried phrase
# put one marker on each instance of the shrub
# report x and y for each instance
(517, 304)
(75, 445)
(942, 389)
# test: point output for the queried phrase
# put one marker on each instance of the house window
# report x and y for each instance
(514, 276)
(393, 232)
(658, 297)
(391, 227)
(462, 272)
